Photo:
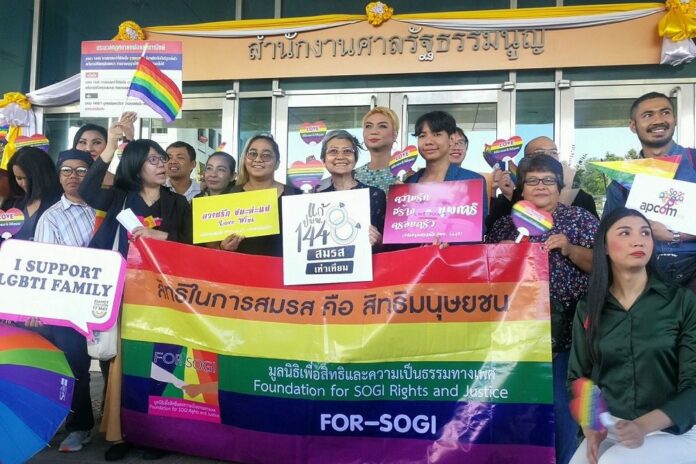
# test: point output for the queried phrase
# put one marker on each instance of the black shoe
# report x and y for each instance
(117, 452)
(153, 454)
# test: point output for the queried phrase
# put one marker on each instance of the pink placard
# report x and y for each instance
(418, 213)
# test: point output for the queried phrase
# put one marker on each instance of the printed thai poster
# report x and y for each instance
(106, 71)
(671, 202)
(449, 211)
(444, 357)
(326, 238)
(251, 214)
(65, 286)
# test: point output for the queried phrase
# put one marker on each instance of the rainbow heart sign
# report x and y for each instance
(37, 140)
(403, 160)
(312, 132)
(502, 150)
(306, 175)
(11, 222)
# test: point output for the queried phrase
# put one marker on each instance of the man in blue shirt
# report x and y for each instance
(652, 120)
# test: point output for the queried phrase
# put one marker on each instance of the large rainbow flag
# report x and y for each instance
(444, 358)
(156, 90)
(624, 171)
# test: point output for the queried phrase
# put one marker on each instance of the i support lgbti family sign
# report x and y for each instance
(444, 357)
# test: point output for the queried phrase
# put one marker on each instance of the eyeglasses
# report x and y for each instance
(460, 143)
(532, 181)
(265, 156)
(67, 171)
(343, 151)
(157, 159)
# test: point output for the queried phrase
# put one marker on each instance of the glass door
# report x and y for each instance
(477, 112)
(303, 120)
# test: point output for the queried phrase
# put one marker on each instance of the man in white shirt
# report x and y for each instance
(71, 222)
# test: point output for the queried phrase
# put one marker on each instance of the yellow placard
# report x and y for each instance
(251, 214)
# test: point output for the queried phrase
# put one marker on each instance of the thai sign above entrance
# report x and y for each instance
(398, 47)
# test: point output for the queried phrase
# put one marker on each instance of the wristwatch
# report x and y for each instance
(676, 237)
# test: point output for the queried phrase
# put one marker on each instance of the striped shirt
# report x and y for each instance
(66, 223)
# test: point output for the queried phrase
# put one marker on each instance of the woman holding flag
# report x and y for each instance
(138, 185)
(634, 336)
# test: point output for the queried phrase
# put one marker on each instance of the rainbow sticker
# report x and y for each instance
(307, 175)
(502, 150)
(312, 132)
(11, 222)
(530, 220)
(402, 161)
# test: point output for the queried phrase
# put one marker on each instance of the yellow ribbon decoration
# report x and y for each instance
(679, 23)
(129, 30)
(255, 25)
(17, 98)
(12, 133)
(378, 12)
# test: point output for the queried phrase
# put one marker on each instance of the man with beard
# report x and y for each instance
(652, 120)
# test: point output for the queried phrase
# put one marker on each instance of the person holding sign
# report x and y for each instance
(339, 152)
(653, 122)
(138, 186)
(570, 243)
(261, 158)
(380, 128)
(434, 131)
(70, 222)
(218, 177)
(635, 337)
(32, 171)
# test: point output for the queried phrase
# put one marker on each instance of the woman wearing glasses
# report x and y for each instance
(138, 185)
(261, 158)
(339, 152)
(569, 243)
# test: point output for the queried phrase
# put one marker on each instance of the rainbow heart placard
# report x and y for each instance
(11, 222)
(531, 220)
(306, 175)
(403, 160)
(37, 140)
(313, 132)
(502, 150)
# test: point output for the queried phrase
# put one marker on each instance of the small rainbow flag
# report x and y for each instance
(625, 171)
(156, 90)
(588, 406)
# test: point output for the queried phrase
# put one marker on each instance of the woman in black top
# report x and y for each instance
(138, 185)
(32, 172)
(261, 158)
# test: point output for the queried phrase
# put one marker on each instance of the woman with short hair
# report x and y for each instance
(569, 242)
(339, 152)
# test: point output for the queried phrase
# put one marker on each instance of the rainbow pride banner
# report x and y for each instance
(444, 358)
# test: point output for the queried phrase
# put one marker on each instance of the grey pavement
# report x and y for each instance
(93, 453)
